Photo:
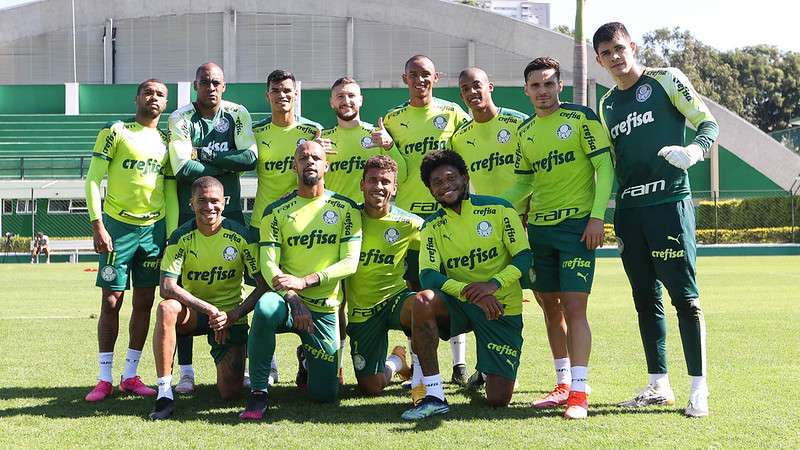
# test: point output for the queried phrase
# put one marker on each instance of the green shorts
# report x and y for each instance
(137, 251)
(498, 342)
(369, 340)
(657, 245)
(561, 262)
(237, 337)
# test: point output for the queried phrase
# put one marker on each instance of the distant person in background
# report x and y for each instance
(40, 244)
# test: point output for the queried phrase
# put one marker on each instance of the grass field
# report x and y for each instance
(48, 363)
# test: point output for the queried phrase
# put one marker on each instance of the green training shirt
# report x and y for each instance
(276, 147)
(321, 235)
(416, 131)
(220, 147)
(381, 264)
(212, 267)
(643, 119)
(488, 148)
(136, 160)
(557, 159)
(485, 242)
(353, 149)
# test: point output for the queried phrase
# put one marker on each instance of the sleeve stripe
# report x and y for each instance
(269, 244)
(523, 172)
(101, 156)
(598, 152)
(351, 238)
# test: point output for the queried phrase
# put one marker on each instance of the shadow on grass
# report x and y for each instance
(287, 404)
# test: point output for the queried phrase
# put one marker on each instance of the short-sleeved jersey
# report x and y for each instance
(417, 131)
(276, 147)
(475, 245)
(488, 148)
(137, 163)
(211, 267)
(229, 130)
(640, 121)
(353, 148)
(310, 232)
(381, 264)
(556, 150)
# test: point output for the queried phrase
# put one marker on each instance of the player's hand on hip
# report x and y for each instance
(682, 157)
(286, 282)
(593, 234)
(380, 137)
(490, 306)
(476, 290)
(325, 143)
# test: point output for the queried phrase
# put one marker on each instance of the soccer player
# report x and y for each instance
(473, 253)
(130, 232)
(310, 241)
(564, 159)
(40, 244)
(645, 115)
(377, 297)
(210, 254)
(488, 142)
(208, 137)
(422, 124)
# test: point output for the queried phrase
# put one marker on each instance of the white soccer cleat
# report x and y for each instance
(185, 385)
(698, 404)
(651, 395)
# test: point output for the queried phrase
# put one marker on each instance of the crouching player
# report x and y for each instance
(474, 253)
(210, 254)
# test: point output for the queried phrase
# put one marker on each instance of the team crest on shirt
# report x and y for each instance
(440, 122)
(391, 235)
(564, 131)
(108, 273)
(503, 136)
(229, 253)
(643, 93)
(330, 217)
(484, 228)
(359, 362)
(222, 125)
(366, 142)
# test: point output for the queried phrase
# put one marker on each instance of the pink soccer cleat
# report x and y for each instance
(100, 392)
(577, 405)
(134, 385)
(557, 397)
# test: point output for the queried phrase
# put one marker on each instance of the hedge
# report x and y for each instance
(763, 212)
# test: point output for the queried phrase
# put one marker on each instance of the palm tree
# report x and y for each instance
(579, 74)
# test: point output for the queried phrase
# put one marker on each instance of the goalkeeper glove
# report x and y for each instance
(682, 157)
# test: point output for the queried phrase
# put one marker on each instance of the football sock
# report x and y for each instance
(458, 346)
(106, 360)
(563, 375)
(659, 379)
(579, 376)
(186, 370)
(165, 387)
(699, 384)
(433, 386)
(274, 364)
(416, 374)
(392, 365)
(131, 363)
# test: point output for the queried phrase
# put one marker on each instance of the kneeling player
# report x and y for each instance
(210, 254)
(474, 252)
(377, 297)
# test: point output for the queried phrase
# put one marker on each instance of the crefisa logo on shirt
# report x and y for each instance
(643, 93)
(222, 125)
(229, 253)
(330, 217)
(391, 235)
(564, 131)
(366, 142)
(440, 122)
(484, 228)
(503, 136)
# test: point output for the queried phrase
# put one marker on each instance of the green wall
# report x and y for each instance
(32, 99)
(117, 98)
(53, 225)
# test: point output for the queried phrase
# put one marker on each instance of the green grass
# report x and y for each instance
(48, 363)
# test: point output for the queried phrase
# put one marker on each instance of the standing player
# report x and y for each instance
(377, 297)
(645, 114)
(310, 241)
(210, 254)
(40, 244)
(422, 124)
(130, 232)
(564, 159)
(474, 254)
(209, 137)
(488, 141)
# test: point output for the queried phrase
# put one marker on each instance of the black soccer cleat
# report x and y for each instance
(257, 405)
(163, 410)
(459, 375)
(301, 379)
